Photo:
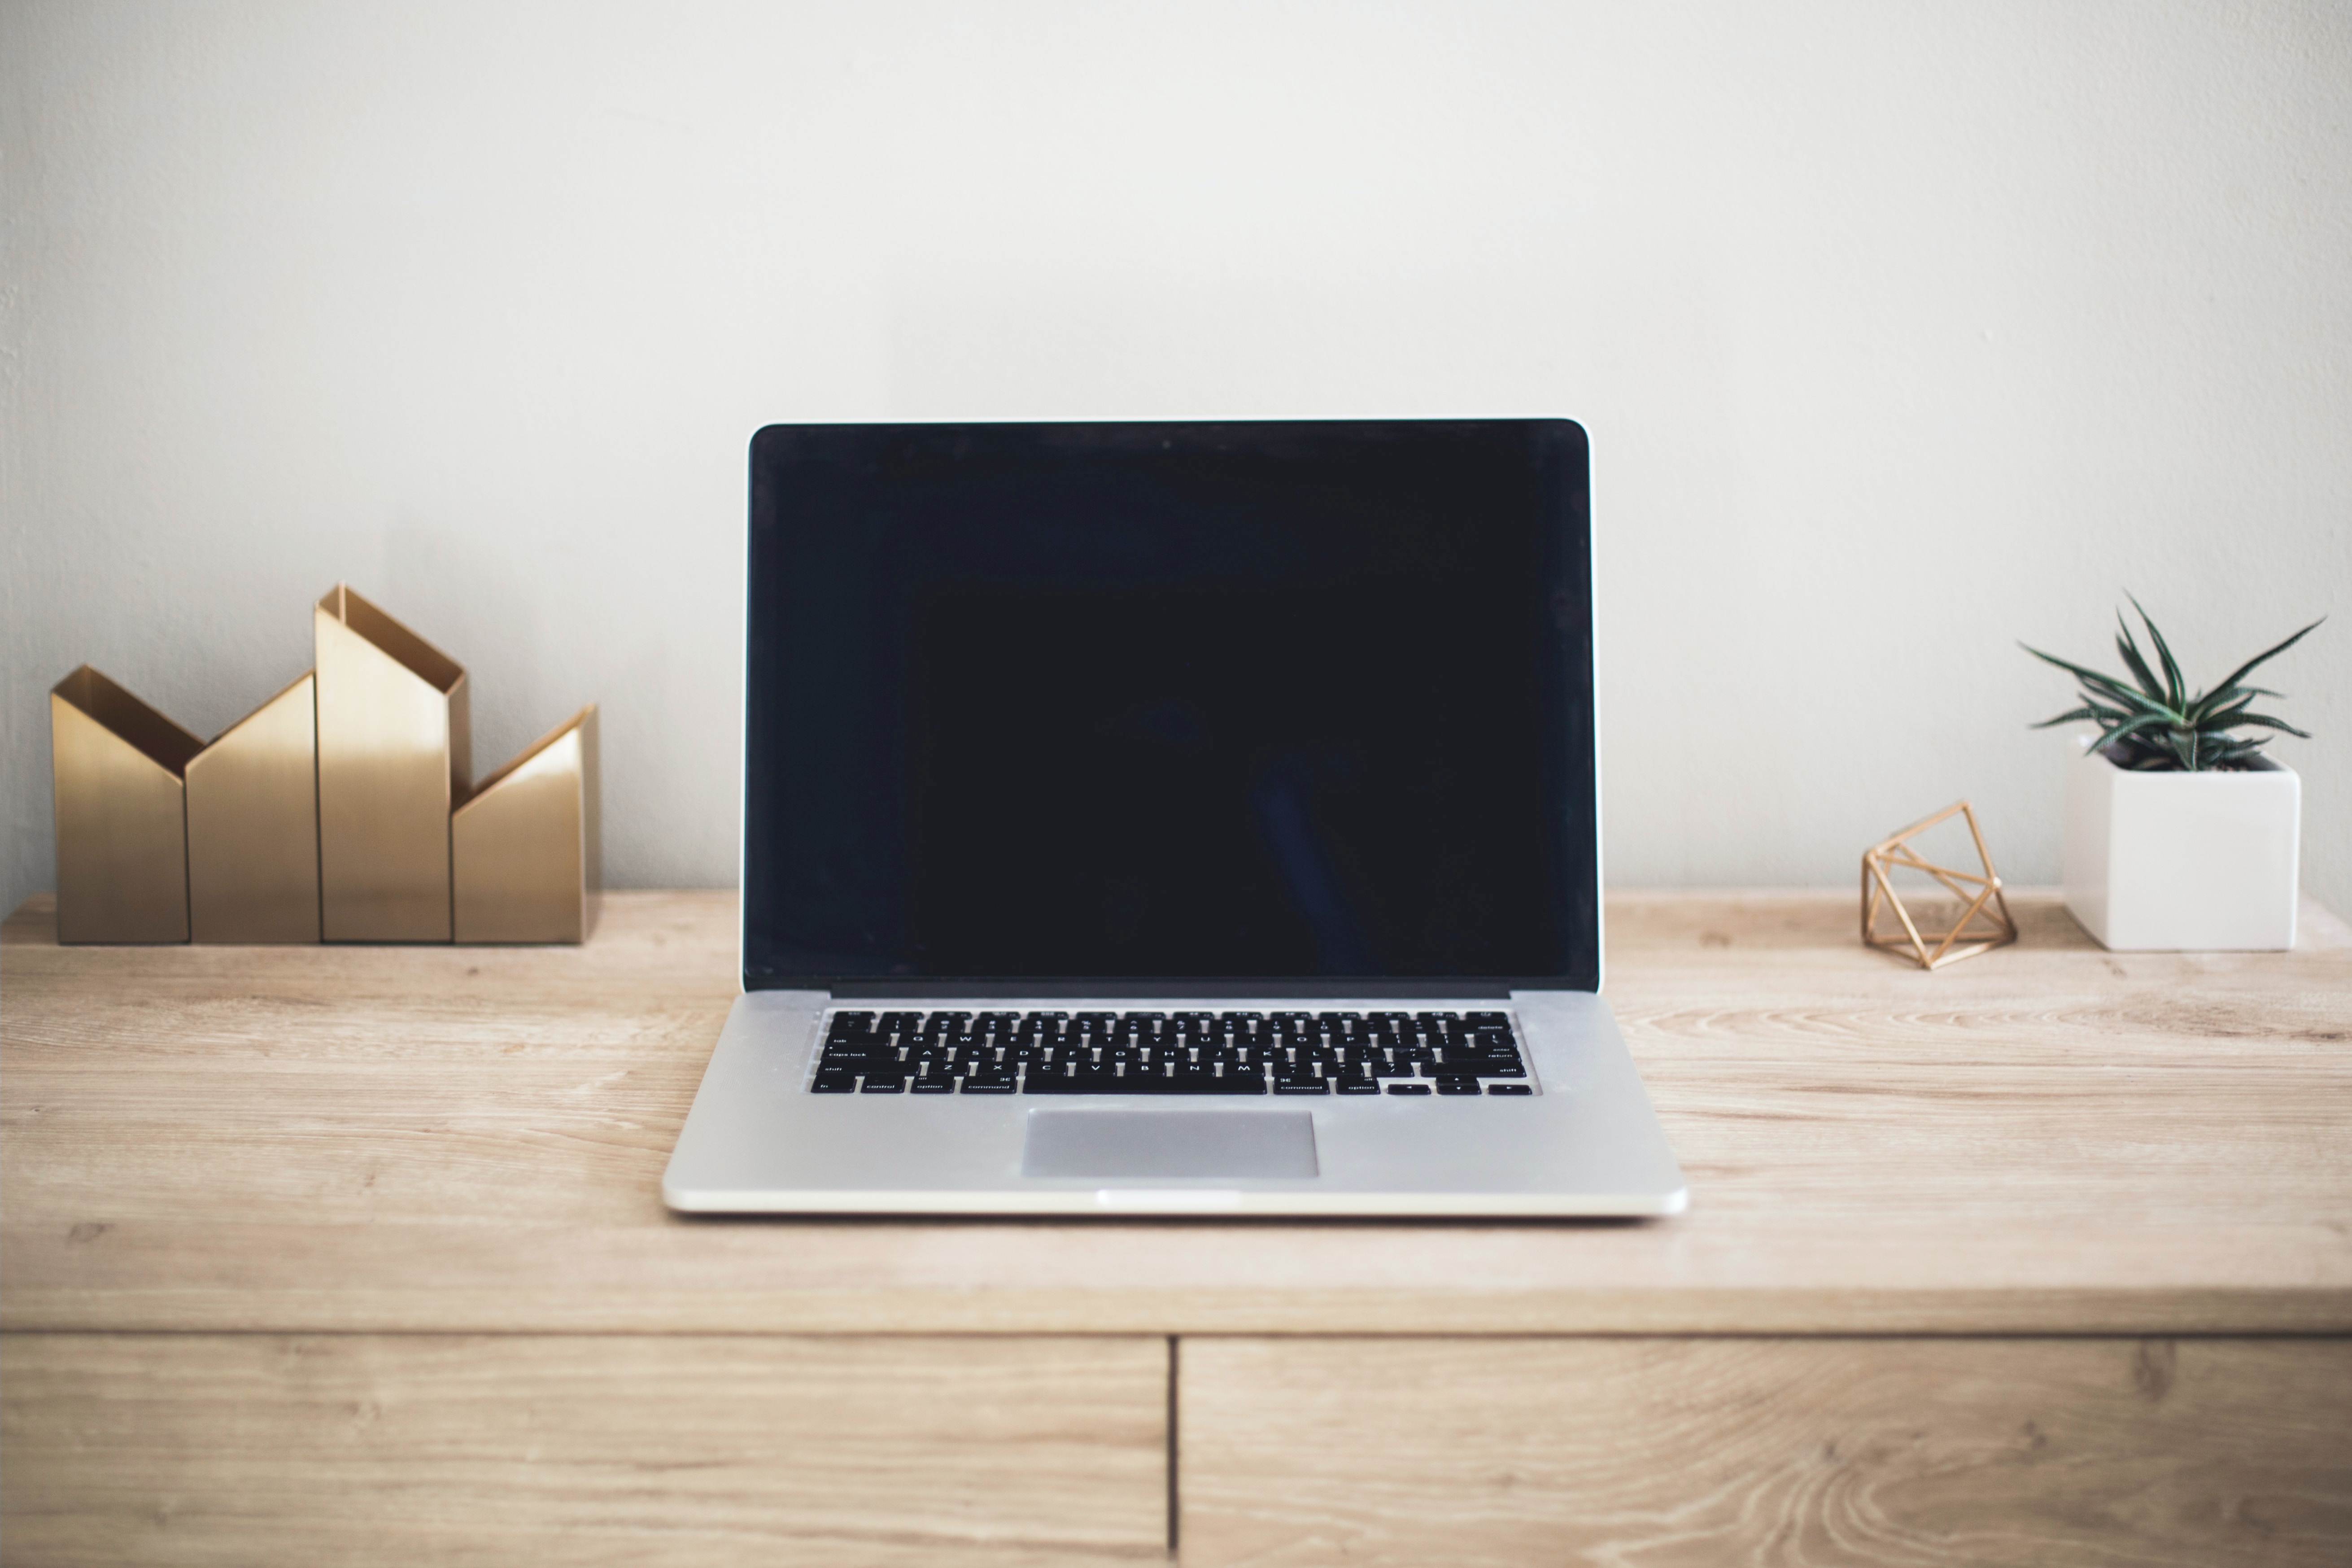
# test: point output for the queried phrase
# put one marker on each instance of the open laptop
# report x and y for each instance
(1171, 818)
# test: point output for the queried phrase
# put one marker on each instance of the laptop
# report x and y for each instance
(1171, 818)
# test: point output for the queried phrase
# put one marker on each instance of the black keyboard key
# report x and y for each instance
(1408, 1088)
(1094, 1081)
(1194, 1079)
(878, 1085)
(988, 1086)
(1355, 1085)
(834, 1083)
(931, 1086)
(1509, 1089)
(1301, 1086)
(1457, 1086)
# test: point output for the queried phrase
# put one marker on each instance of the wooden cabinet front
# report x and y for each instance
(1660, 1452)
(358, 1448)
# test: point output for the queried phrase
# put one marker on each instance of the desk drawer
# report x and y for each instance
(1662, 1452)
(269, 1448)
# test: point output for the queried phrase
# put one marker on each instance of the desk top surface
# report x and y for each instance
(2049, 1138)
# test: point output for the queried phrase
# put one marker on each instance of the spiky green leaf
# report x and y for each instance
(2267, 722)
(2247, 668)
(2101, 685)
(2175, 692)
(2128, 727)
(2129, 648)
(2210, 718)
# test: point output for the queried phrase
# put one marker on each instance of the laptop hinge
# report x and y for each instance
(1369, 990)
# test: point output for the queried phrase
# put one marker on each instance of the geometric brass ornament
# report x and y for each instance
(396, 744)
(1981, 899)
(525, 850)
(119, 770)
(253, 825)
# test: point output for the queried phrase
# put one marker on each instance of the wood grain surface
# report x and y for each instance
(2047, 1139)
(267, 1449)
(1640, 1453)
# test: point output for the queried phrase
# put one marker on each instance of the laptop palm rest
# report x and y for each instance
(1164, 1143)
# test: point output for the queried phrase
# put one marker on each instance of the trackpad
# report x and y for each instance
(1170, 1143)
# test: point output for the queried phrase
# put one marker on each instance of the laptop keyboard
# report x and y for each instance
(1401, 1054)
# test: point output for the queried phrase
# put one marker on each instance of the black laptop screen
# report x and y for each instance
(1155, 707)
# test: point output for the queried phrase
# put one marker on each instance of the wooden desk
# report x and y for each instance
(357, 1254)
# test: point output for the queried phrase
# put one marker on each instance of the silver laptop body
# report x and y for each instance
(1141, 819)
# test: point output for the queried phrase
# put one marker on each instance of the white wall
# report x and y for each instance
(1903, 332)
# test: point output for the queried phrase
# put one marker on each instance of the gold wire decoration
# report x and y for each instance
(1979, 895)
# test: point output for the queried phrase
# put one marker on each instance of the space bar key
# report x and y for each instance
(1235, 1084)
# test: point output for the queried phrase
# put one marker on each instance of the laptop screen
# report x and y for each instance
(1171, 709)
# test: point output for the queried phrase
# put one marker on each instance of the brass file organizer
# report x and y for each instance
(340, 810)
(122, 772)
(253, 825)
(524, 849)
(1984, 921)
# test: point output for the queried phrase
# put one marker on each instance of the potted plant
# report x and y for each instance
(2180, 835)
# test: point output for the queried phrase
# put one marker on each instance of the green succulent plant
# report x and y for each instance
(2156, 726)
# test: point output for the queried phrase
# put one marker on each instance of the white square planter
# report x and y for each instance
(2183, 862)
